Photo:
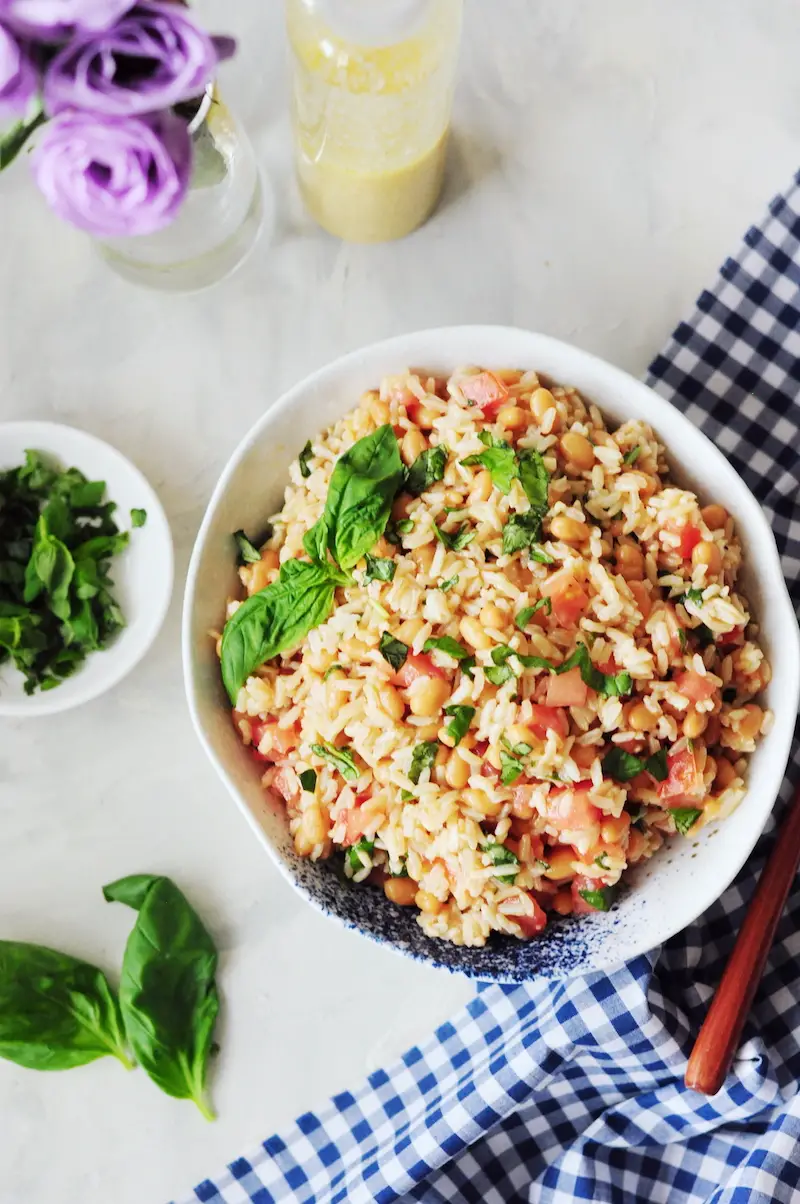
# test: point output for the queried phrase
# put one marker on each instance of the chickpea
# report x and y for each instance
(542, 401)
(640, 719)
(750, 725)
(391, 702)
(694, 725)
(262, 573)
(474, 634)
(614, 830)
(354, 648)
(644, 602)
(569, 530)
(424, 556)
(427, 696)
(725, 774)
(713, 730)
(492, 616)
(478, 800)
(605, 549)
(708, 554)
(577, 450)
(715, 517)
(457, 771)
(636, 845)
(562, 903)
(512, 418)
(630, 562)
(379, 411)
(402, 891)
(409, 630)
(426, 418)
(481, 488)
(314, 824)
(584, 755)
(559, 863)
(414, 443)
(427, 902)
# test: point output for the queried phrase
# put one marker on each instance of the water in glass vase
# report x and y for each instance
(219, 222)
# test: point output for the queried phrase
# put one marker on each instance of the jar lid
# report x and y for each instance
(372, 22)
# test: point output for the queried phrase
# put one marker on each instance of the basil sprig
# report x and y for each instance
(168, 994)
(524, 617)
(379, 569)
(393, 651)
(56, 1012)
(446, 644)
(423, 757)
(461, 718)
(499, 460)
(623, 766)
(600, 899)
(685, 818)
(360, 495)
(611, 685)
(427, 469)
(455, 540)
(341, 759)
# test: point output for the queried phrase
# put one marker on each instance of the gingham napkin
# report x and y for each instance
(553, 1093)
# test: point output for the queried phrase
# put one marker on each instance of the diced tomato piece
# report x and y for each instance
(488, 770)
(694, 686)
(546, 719)
(683, 781)
(730, 639)
(354, 825)
(571, 810)
(414, 667)
(286, 784)
(486, 392)
(580, 907)
(689, 537)
(567, 596)
(610, 667)
(567, 689)
(531, 925)
(282, 739)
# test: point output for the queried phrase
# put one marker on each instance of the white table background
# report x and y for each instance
(607, 157)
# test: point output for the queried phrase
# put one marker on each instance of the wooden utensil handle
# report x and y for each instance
(719, 1037)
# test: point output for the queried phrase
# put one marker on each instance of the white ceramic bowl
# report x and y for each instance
(142, 575)
(688, 875)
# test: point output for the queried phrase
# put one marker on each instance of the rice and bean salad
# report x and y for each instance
(490, 654)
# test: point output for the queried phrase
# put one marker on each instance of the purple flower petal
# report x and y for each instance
(52, 20)
(19, 80)
(114, 176)
(154, 57)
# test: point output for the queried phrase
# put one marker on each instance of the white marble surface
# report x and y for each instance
(607, 157)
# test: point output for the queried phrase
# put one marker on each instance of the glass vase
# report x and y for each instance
(218, 223)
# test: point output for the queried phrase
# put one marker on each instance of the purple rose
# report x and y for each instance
(51, 20)
(114, 176)
(19, 81)
(153, 57)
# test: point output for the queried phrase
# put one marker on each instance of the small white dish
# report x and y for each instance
(687, 875)
(142, 575)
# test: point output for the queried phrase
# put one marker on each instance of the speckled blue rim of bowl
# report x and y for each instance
(663, 895)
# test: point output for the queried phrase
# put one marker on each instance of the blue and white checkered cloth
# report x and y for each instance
(557, 1092)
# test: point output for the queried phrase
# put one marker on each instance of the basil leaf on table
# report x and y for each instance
(56, 1011)
(274, 620)
(427, 469)
(362, 489)
(168, 994)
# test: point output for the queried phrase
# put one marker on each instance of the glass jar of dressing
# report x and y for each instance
(373, 88)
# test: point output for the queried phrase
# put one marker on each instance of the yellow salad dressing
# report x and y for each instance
(373, 84)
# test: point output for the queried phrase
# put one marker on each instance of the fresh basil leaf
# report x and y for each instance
(402, 872)
(446, 644)
(406, 797)
(85, 495)
(504, 859)
(448, 584)
(682, 639)
(379, 569)
(394, 530)
(462, 717)
(467, 666)
(611, 685)
(308, 780)
(455, 540)
(167, 992)
(685, 818)
(524, 617)
(518, 750)
(332, 669)
(657, 765)
(602, 861)
(427, 469)
(56, 1011)
(704, 635)
(500, 462)
(694, 595)
(393, 651)
(305, 455)
(535, 480)
(362, 489)
(600, 899)
(275, 620)
(341, 759)
(423, 757)
(503, 652)
(622, 765)
(101, 547)
(498, 675)
(354, 860)
(631, 456)
(511, 768)
(248, 552)
(138, 516)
